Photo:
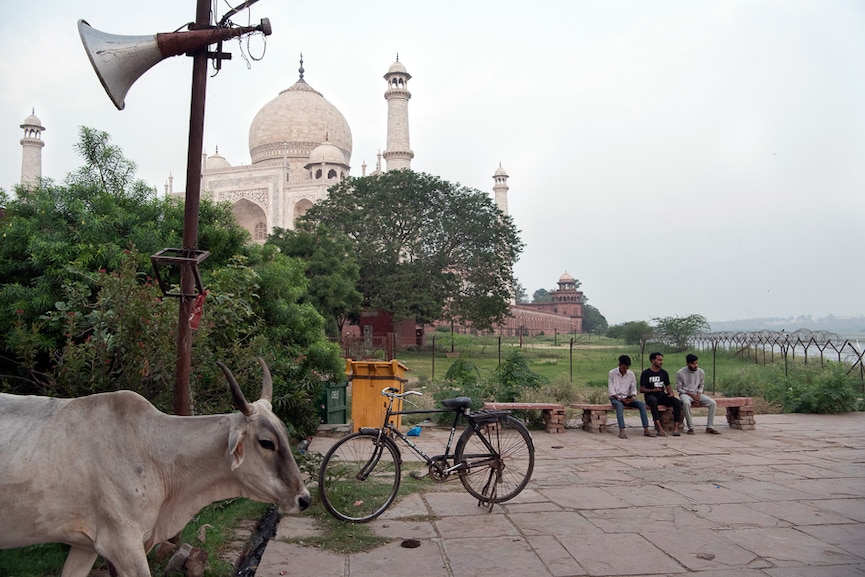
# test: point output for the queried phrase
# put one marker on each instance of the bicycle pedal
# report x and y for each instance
(416, 475)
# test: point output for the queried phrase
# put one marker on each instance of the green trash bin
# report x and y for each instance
(333, 405)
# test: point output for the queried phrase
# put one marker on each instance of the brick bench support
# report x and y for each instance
(553, 414)
(740, 414)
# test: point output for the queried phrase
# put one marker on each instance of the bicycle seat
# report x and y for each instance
(457, 403)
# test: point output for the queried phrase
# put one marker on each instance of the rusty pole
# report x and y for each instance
(190, 213)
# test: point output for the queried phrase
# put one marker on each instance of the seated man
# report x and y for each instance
(655, 386)
(689, 384)
(622, 385)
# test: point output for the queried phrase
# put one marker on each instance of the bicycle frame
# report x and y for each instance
(440, 462)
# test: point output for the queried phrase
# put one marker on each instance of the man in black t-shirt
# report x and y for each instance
(657, 390)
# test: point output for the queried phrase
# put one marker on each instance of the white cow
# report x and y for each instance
(110, 475)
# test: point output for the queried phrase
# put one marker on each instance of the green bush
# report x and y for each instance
(828, 390)
(514, 376)
(463, 372)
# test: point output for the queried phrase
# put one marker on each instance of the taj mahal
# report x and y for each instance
(300, 145)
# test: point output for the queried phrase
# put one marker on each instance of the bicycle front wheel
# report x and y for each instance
(359, 477)
(497, 461)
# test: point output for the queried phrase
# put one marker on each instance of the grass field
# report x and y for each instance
(576, 371)
(583, 365)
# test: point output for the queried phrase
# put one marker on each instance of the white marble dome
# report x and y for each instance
(397, 68)
(33, 121)
(296, 122)
(326, 153)
(216, 162)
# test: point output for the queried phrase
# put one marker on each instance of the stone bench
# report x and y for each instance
(553, 414)
(740, 414)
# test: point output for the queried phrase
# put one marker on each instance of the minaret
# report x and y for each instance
(397, 154)
(31, 154)
(500, 188)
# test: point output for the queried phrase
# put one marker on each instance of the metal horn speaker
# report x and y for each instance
(121, 60)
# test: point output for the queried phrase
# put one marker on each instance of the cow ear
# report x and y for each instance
(235, 448)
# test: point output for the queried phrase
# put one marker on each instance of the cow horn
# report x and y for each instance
(239, 401)
(267, 382)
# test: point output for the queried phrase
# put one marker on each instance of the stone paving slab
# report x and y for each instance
(701, 549)
(784, 500)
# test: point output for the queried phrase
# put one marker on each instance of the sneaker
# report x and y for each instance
(690, 431)
(712, 431)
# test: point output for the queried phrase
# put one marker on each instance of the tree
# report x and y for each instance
(427, 249)
(80, 313)
(542, 296)
(678, 331)
(331, 269)
(53, 232)
(593, 320)
(106, 168)
(520, 295)
(632, 332)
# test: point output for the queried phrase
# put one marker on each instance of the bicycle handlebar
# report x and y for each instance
(393, 392)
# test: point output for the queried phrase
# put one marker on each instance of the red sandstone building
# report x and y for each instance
(562, 315)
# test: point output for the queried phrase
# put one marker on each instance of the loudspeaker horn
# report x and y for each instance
(121, 60)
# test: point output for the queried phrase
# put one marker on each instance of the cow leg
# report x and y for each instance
(78, 562)
(127, 562)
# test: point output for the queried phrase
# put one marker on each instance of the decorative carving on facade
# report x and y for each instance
(259, 196)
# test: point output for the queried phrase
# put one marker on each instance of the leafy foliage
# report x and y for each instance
(330, 267)
(462, 379)
(816, 391)
(677, 331)
(632, 332)
(520, 294)
(427, 249)
(593, 321)
(464, 372)
(542, 295)
(80, 315)
(514, 376)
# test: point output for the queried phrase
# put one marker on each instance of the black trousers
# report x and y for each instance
(662, 398)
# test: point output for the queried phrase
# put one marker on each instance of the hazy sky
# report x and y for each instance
(677, 157)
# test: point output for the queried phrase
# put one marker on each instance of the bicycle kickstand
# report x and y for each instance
(488, 503)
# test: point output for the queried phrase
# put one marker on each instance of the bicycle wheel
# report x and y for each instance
(499, 475)
(359, 477)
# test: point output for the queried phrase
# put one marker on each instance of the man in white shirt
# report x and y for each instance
(689, 385)
(622, 385)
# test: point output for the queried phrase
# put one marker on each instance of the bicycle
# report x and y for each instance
(360, 475)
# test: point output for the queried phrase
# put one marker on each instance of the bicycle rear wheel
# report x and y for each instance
(359, 477)
(497, 475)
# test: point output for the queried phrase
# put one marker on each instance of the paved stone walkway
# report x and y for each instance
(786, 500)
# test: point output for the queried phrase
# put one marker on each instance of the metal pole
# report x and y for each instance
(190, 213)
(434, 357)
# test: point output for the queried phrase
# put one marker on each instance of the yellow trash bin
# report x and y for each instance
(368, 378)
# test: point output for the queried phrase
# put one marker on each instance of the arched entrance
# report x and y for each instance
(251, 217)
